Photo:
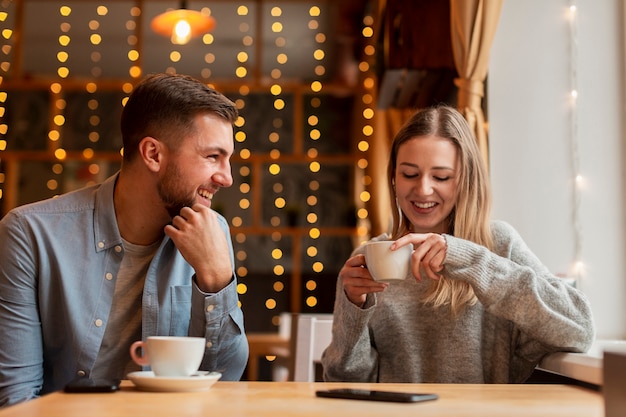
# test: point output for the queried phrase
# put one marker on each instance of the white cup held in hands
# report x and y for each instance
(385, 264)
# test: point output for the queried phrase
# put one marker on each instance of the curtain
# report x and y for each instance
(473, 26)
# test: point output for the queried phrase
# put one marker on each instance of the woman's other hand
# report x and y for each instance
(357, 280)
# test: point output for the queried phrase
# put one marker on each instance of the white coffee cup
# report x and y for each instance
(171, 356)
(385, 264)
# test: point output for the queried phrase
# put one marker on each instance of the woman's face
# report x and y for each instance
(426, 182)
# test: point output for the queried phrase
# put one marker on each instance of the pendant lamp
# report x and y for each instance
(182, 24)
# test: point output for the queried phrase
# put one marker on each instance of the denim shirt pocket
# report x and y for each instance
(181, 310)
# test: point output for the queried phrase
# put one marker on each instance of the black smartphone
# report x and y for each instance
(375, 395)
(92, 385)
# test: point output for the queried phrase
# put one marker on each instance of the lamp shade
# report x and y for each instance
(182, 24)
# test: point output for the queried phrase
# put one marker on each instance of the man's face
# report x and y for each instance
(200, 165)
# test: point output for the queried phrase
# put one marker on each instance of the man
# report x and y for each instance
(85, 274)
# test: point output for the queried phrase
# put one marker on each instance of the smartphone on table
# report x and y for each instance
(85, 384)
(375, 395)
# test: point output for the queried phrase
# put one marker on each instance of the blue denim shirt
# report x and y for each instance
(58, 263)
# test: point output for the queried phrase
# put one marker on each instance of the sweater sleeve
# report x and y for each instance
(350, 355)
(512, 283)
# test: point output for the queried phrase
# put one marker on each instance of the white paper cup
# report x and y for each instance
(385, 264)
(170, 356)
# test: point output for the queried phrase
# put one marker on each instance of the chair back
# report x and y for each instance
(310, 336)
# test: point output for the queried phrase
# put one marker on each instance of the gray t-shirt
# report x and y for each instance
(124, 324)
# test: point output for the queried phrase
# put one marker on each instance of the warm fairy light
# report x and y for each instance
(59, 120)
(318, 267)
(315, 134)
(316, 86)
(175, 56)
(245, 153)
(274, 169)
(60, 154)
(134, 71)
(280, 202)
(275, 154)
(311, 301)
(244, 203)
(240, 136)
(88, 153)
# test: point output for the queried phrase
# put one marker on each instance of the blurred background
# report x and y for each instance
(303, 75)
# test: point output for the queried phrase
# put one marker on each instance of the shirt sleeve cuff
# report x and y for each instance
(211, 307)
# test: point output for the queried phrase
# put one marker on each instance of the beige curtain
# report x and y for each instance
(473, 25)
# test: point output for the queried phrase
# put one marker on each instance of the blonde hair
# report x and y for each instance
(470, 218)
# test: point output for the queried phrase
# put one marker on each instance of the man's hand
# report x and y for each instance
(197, 234)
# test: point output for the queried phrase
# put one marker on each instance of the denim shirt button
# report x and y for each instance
(98, 323)
(100, 245)
(108, 276)
(210, 308)
(118, 249)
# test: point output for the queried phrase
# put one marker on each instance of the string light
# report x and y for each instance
(6, 42)
(368, 73)
(578, 183)
(314, 138)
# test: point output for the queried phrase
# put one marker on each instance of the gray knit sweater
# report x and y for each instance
(524, 312)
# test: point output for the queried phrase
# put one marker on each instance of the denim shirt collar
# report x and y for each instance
(106, 232)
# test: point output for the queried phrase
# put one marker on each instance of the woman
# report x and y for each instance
(479, 306)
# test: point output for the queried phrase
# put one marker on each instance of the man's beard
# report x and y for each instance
(171, 190)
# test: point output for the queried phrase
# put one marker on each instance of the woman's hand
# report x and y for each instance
(428, 255)
(357, 280)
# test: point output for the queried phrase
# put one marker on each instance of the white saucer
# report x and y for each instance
(147, 381)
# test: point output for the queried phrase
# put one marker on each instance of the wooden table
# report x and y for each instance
(293, 399)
